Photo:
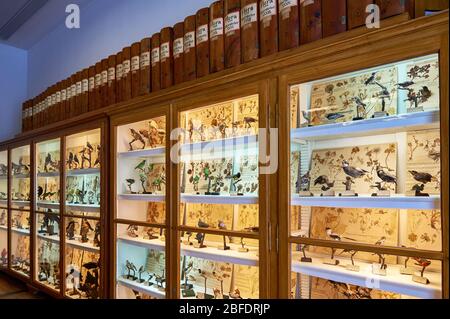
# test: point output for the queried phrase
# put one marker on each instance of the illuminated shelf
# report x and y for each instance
(25, 232)
(211, 252)
(84, 171)
(48, 205)
(393, 282)
(75, 243)
(154, 244)
(21, 176)
(395, 201)
(219, 199)
(20, 203)
(3, 177)
(83, 207)
(152, 291)
(232, 143)
(3, 228)
(152, 152)
(376, 126)
(48, 174)
(153, 198)
(53, 239)
(3, 202)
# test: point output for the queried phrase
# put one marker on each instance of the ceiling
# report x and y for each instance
(24, 22)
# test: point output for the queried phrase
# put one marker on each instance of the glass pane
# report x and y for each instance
(224, 268)
(141, 266)
(20, 242)
(3, 179)
(219, 186)
(365, 157)
(361, 275)
(141, 171)
(82, 215)
(20, 182)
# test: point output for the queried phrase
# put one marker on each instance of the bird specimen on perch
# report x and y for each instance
(325, 182)
(353, 172)
(136, 137)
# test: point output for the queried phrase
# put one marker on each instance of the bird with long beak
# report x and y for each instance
(335, 237)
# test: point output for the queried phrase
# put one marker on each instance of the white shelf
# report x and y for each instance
(25, 232)
(3, 202)
(48, 174)
(153, 198)
(4, 228)
(152, 152)
(20, 176)
(154, 244)
(75, 243)
(211, 252)
(219, 199)
(393, 282)
(84, 171)
(152, 291)
(20, 203)
(376, 126)
(83, 207)
(53, 239)
(48, 205)
(239, 142)
(3, 177)
(397, 201)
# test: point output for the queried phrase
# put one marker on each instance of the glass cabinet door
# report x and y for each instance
(82, 215)
(365, 178)
(20, 210)
(219, 200)
(4, 172)
(47, 214)
(140, 225)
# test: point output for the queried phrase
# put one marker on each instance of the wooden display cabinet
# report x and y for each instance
(220, 211)
(364, 187)
(141, 193)
(4, 204)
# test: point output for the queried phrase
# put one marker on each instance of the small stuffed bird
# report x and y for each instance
(141, 165)
(202, 224)
(385, 176)
(406, 84)
(351, 171)
(421, 177)
(381, 241)
(371, 78)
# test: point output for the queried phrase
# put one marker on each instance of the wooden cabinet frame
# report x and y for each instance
(270, 77)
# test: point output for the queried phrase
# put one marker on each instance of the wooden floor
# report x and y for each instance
(13, 289)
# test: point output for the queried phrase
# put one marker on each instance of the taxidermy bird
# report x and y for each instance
(434, 155)
(306, 116)
(406, 84)
(335, 236)
(76, 160)
(334, 116)
(40, 191)
(89, 146)
(385, 176)
(141, 165)
(424, 178)
(371, 78)
(324, 181)
(359, 102)
(202, 224)
(351, 171)
(425, 93)
(381, 241)
(235, 294)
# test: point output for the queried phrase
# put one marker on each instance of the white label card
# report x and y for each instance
(249, 14)
(216, 28)
(267, 8)
(232, 22)
(189, 41)
(155, 55)
(285, 4)
(178, 47)
(202, 34)
(165, 51)
(145, 59)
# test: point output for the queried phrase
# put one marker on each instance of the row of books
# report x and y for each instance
(228, 33)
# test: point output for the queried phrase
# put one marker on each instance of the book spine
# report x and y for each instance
(268, 26)
(178, 53)
(111, 80)
(144, 66)
(289, 24)
(356, 13)
(78, 91)
(98, 85)
(104, 86)
(334, 17)
(232, 31)
(126, 74)
(119, 74)
(62, 105)
(91, 97)
(310, 21)
(166, 52)
(389, 8)
(58, 102)
(216, 39)
(189, 48)
(135, 69)
(156, 62)
(249, 30)
(202, 42)
(73, 94)
(85, 91)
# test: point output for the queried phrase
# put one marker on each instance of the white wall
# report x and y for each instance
(13, 89)
(106, 27)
